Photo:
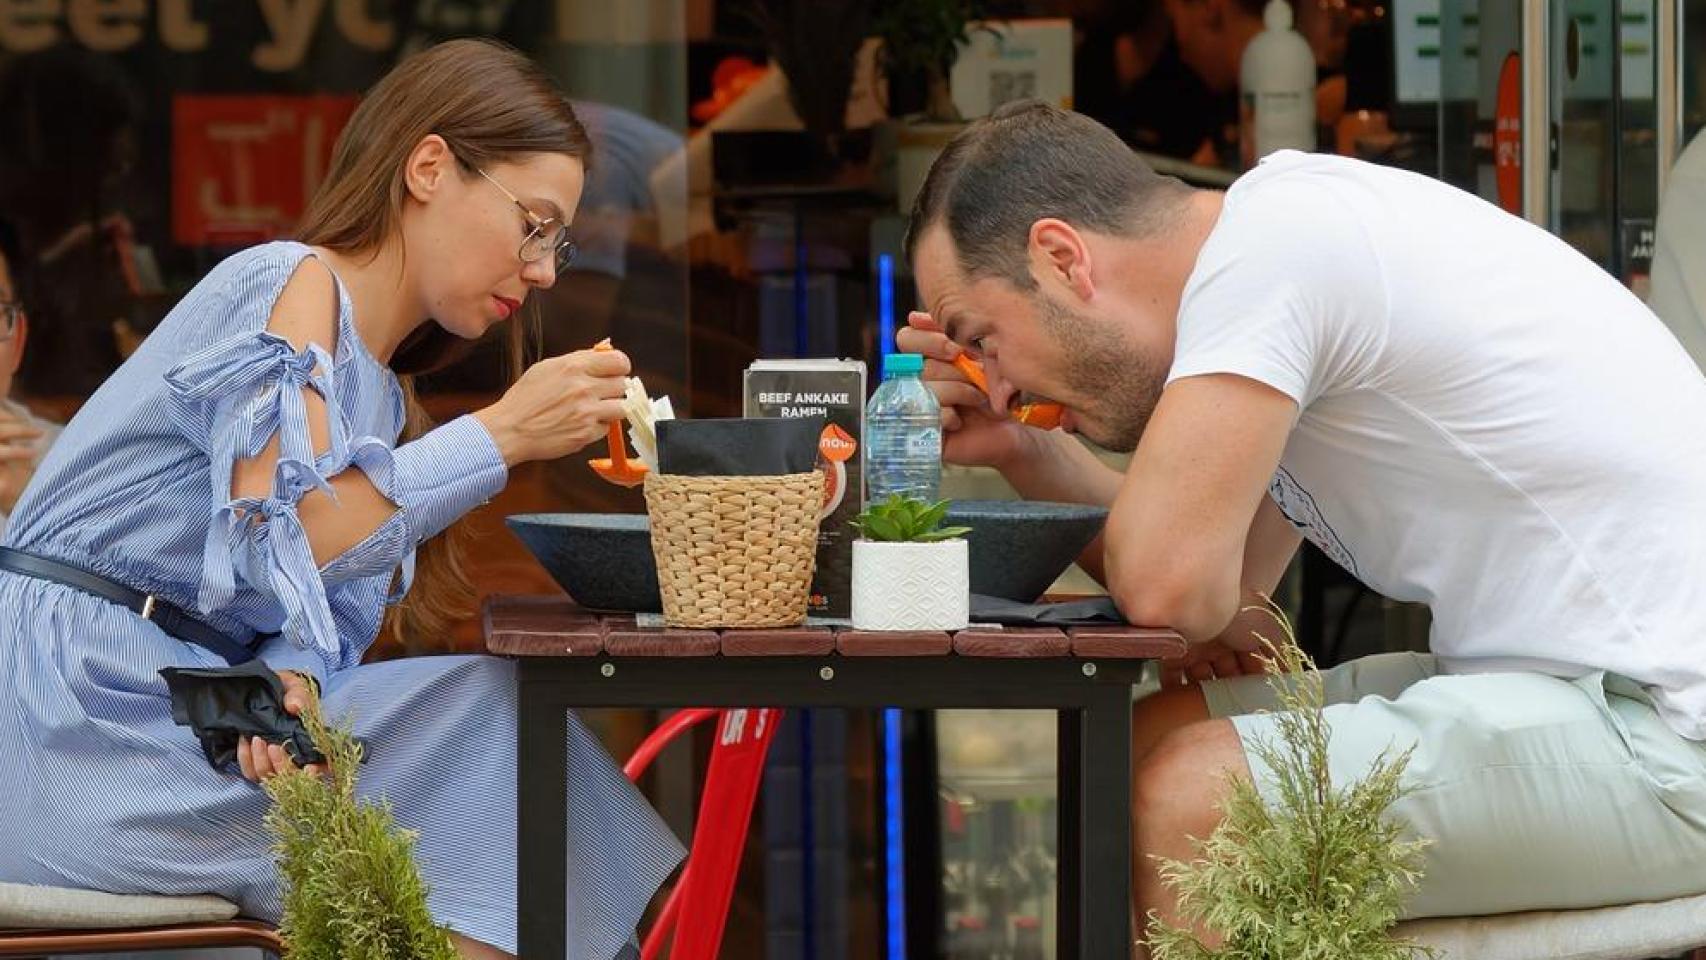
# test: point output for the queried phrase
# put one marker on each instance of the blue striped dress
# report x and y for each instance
(105, 792)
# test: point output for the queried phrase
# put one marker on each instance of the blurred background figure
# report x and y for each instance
(1678, 292)
(24, 437)
(68, 125)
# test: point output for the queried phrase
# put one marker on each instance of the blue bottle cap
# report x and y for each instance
(894, 363)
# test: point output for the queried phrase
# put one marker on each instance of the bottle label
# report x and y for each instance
(1284, 120)
(924, 444)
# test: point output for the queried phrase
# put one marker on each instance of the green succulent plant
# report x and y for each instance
(905, 519)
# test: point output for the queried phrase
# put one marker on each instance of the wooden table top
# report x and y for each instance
(553, 626)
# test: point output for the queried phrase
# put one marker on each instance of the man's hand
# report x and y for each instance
(1210, 660)
(18, 439)
(973, 433)
(260, 760)
(1239, 651)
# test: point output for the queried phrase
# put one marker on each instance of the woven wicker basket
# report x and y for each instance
(734, 551)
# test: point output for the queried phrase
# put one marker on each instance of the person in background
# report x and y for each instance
(1130, 76)
(1678, 292)
(24, 437)
(69, 121)
(1212, 34)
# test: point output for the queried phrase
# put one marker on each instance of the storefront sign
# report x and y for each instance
(113, 26)
(243, 168)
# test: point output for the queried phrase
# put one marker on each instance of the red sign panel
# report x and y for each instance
(1507, 135)
(244, 167)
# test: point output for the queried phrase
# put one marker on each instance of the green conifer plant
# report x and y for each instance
(1320, 874)
(350, 884)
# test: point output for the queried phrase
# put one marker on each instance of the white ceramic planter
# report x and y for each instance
(910, 586)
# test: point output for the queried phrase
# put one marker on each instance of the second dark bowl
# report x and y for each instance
(1020, 547)
(603, 560)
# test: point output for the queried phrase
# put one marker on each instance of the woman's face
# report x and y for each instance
(12, 345)
(465, 238)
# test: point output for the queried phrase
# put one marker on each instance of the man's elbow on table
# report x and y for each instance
(1199, 606)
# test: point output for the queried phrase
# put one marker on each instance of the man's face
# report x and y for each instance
(1096, 357)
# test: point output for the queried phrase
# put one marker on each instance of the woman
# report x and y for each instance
(245, 467)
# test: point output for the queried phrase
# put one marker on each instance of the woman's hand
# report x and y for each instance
(559, 405)
(973, 434)
(18, 439)
(260, 760)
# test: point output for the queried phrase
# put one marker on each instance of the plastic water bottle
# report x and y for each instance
(903, 433)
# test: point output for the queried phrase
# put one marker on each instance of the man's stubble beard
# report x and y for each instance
(1118, 386)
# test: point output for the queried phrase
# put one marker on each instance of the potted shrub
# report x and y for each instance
(909, 572)
(1321, 872)
(921, 39)
(349, 880)
(815, 44)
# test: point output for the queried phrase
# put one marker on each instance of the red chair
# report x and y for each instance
(697, 909)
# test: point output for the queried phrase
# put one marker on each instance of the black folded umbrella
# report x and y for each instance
(222, 704)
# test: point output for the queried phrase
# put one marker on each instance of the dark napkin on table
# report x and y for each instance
(739, 447)
(1090, 611)
(223, 703)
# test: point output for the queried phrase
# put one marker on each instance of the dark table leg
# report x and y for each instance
(1105, 802)
(542, 812)
(1069, 834)
(1095, 759)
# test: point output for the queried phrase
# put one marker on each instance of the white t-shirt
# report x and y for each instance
(1490, 424)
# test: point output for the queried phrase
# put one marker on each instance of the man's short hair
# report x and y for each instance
(1027, 161)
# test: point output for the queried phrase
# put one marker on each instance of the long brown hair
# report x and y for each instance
(490, 104)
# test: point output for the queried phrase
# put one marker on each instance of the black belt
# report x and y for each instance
(164, 615)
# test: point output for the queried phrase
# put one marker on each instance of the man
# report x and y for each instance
(1448, 401)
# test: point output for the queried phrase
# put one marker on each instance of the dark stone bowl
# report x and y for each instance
(1019, 547)
(603, 560)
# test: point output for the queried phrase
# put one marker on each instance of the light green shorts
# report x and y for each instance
(1536, 792)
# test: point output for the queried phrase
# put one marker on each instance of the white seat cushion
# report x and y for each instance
(1610, 933)
(58, 908)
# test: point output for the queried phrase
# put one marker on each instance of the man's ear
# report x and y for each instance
(428, 166)
(1059, 253)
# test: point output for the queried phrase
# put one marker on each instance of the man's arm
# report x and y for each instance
(1182, 524)
(1061, 469)
(1268, 548)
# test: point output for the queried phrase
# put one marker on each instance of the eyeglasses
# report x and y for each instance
(10, 313)
(547, 236)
